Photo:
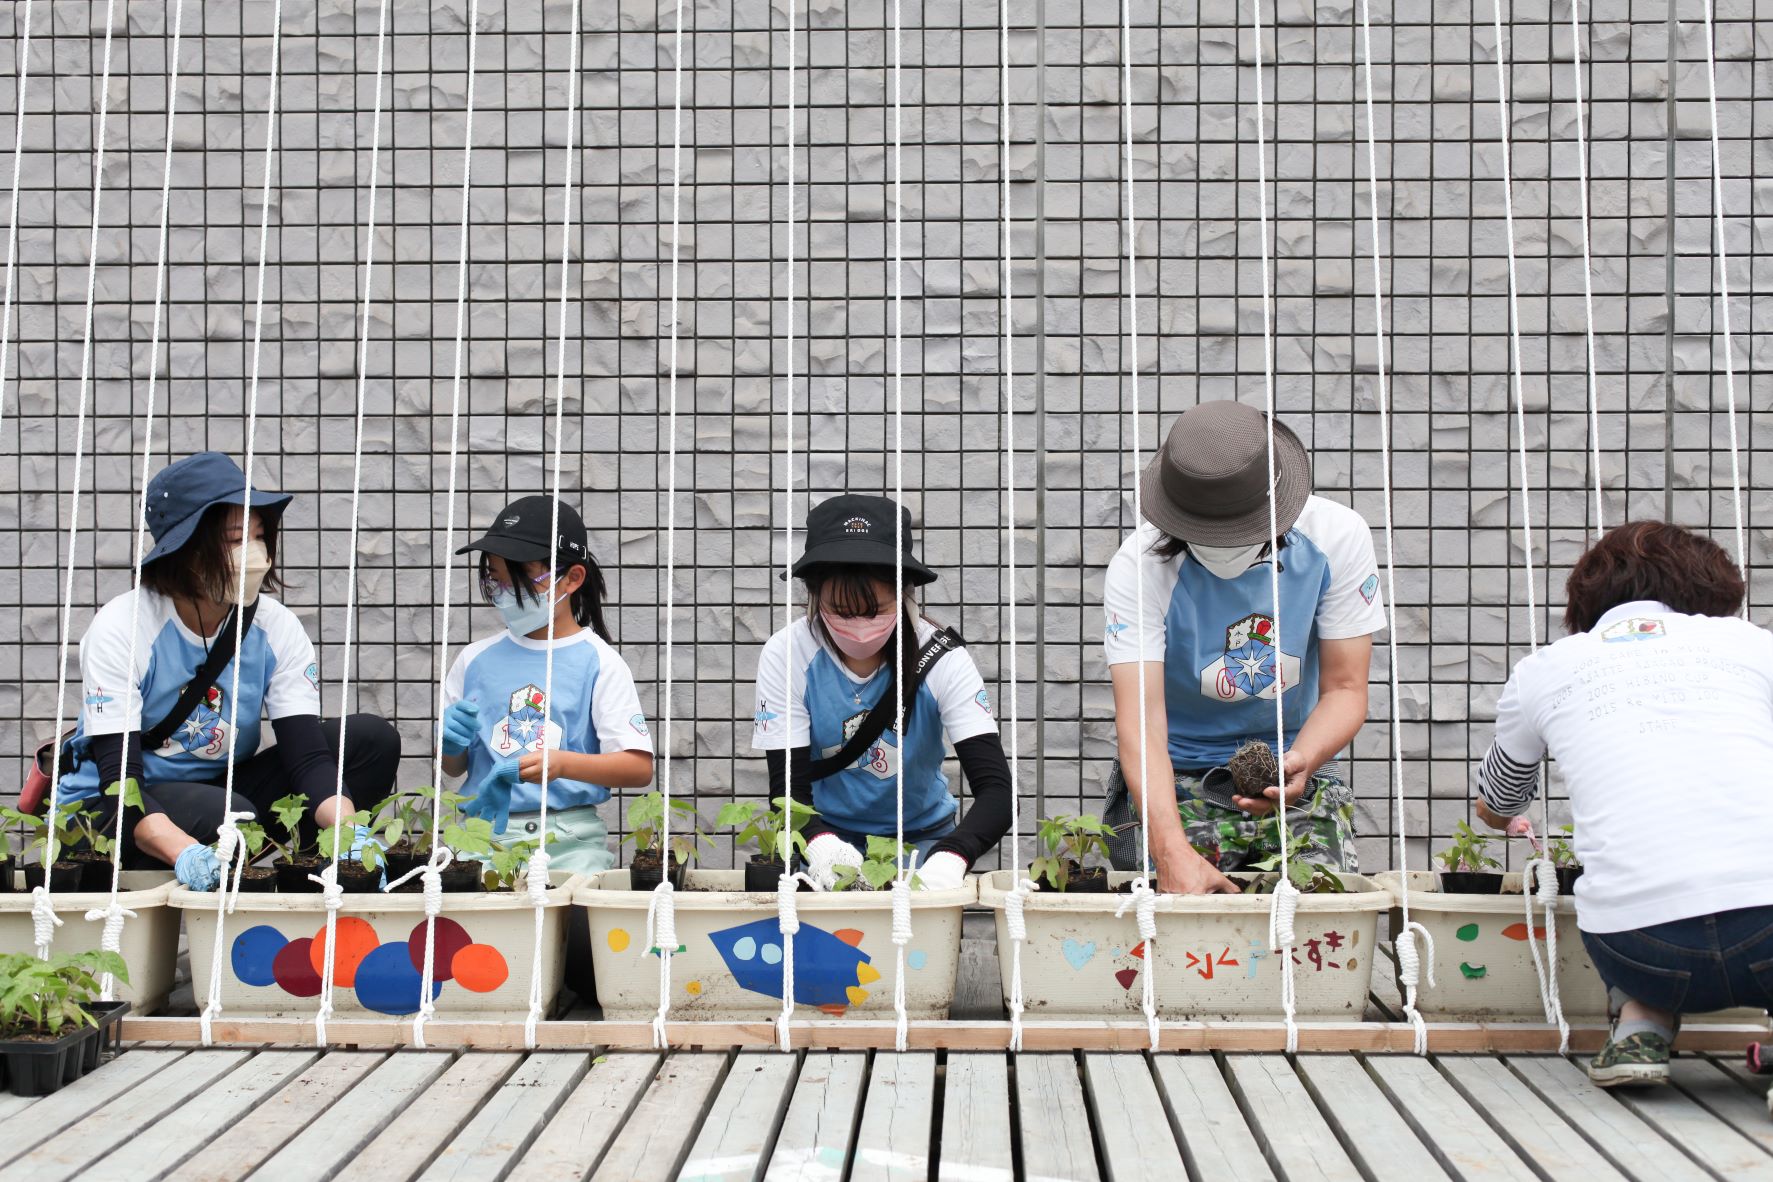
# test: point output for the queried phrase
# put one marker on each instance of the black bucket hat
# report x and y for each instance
(1208, 484)
(857, 530)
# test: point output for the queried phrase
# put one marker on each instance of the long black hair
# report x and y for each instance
(848, 591)
(586, 602)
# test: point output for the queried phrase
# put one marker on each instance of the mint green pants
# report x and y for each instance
(580, 842)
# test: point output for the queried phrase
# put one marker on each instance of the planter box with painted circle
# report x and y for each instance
(1213, 962)
(150, 940)
(274, 947)
(729, 964)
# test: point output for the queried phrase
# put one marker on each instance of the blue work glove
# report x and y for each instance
(492, 800)
(461, 722)
(198, 869)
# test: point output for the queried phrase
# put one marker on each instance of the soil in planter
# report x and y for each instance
(1470, 882)
(460, 877)
(292, 879)
(645, 872)
(95, 869)
(1079, 881)
(1254, 768)
(63, 876)
(258, 880)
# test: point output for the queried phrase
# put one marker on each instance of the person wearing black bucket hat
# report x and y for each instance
(826, 705)
(1214, 651)
(498, 716)
(212, 537)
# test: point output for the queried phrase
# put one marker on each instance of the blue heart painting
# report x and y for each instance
(1078, 954)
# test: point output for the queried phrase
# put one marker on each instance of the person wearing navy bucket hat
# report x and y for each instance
(168, 729)
(1214, 650)
(827, 703)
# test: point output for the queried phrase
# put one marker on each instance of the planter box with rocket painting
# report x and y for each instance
(728, 966)
(150, 940)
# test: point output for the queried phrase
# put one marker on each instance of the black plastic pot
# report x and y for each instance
(357, 879)
(109, 1035)
(258, 880)
(39, 1068)
(1567, 876)
(461, 878)
(95, 870)
(292, 878)
(763, 875)
(404, 863)
(6, 875)
(646, 875)
(1079, 881)
(1470, 882)
(63, 876)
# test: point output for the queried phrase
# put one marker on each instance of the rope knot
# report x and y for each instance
(1545, 885)
(538, 881)
(787, 913)
(1015, 904)
(661, 919)
(44, 920)
(114, 913)
(1409, 960)
(227, 838)
(1280, 915)
(331, 893)
(1143, 900)
(901, 911)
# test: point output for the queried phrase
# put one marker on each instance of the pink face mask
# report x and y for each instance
(859, 636)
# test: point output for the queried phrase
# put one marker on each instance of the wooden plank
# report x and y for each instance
(978, 982)
(68, 1152)
(588, 1119)
(405, 1147)
(485, 1147)
(1723, 1095)
(193, 1123)
(897, 1119)
(336, 1135)
(1132, 1127)
(1386, 1000)
(1453, 1130)
(290, 1110)
(1706, 1138)
(1216, 1141)
(51, 1114)
(1525, 1122)
(1622, 1137)
(1054, 1122)
(1382, 1144)
(741, 1123)
(976, 1120)
(821, 1117)
(11, 1105)
(657, 1134)
(1294, 1136)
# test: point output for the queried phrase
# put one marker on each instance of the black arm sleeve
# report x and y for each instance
(778, 762)
(307, 762)
(982, 762)
(107, 750)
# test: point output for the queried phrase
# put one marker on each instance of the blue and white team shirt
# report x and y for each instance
(828, 704)
(595, 709)
(1224, 659)
(278, 679)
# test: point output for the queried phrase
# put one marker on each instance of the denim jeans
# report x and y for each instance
(922, 840)
(1707, 962)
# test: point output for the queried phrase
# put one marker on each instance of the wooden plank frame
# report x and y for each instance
(1371, 1037)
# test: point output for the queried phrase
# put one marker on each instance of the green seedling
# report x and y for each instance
(1563, 849)
(880, 865)
(41, 998)
(335, 840)
(646, 827)
(1468, 851)
(506, 867)
(1308, 878)
(288, 811)
(774, 833)
(1065, 840)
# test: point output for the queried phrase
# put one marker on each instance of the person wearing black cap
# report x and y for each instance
(1214, 652)
(188, 606)
(826, 705)
(548, 589)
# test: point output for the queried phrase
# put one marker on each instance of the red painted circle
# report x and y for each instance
(452, 937)
(292, 969)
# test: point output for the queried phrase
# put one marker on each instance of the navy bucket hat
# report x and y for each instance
(182, 491)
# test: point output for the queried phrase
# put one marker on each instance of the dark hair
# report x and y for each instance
(849, 591)
(199, 568)
(1167, 547)
(586, 602)
(1655, 561)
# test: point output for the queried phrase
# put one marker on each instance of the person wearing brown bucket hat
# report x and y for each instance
(1214, 651)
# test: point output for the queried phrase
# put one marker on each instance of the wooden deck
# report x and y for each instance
(160, 1111)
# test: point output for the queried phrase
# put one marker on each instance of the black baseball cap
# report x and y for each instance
(519, 533)
(857, 530)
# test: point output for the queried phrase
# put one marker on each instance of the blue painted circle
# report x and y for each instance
(772, 954)
(388, 984)
(744, 948)
(255, 951)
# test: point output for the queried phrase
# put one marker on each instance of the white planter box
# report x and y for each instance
(728, 966)
(274, 946)
(150, 940)
(1213, 962)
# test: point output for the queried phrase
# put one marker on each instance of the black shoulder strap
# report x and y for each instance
(220, 653)
(874, 725)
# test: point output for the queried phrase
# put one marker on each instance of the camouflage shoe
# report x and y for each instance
(1636, 1059)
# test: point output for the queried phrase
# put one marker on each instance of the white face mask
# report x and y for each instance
(1227, 562)
(257, 561)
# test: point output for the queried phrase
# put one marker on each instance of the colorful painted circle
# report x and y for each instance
(452, 937)
(387, 983)
(294, 970)
(355, 939)
(480, 968)
(254, 954)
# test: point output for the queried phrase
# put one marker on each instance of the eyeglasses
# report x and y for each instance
(493, 587)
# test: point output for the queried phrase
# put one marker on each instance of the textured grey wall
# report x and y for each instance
(1461, 620)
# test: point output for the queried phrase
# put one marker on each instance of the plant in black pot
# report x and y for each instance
(360, 871)
(1468, 867)
(646, 830)
(255, 879)
(1562, 852)
(506, 867)
(49, 842)
(50, 1016)
(404, 827)
(880, 865)
(91, 848)
(772, 833)
(1064, 843)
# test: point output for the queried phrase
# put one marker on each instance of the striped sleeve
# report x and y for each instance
(1508, 778)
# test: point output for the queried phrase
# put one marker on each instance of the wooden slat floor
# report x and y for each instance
(160, 1111)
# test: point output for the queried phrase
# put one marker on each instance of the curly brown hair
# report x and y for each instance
(1651, 560)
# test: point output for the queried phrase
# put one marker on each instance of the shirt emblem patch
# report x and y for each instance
(1370, 588)
(1251, 666)
(638, 722)
(1636, 628)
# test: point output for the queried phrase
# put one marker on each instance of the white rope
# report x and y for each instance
(788, 924)
(1717, 205)
(1143, 901)
(1017, 899)
(61, 664)
(1285, 894)
(214, 1005)
(18, 159)
(1148, 982)
(1539, 883)
(661, 937)
(901, 937)
(902, 883)
(110, 939)
(1409, 965)
(44, 920)
(535, 1014)
(433, 883)
(1594, 405)
(332, 895)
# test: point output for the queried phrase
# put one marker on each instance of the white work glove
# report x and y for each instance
(826, 852)
(943, 872)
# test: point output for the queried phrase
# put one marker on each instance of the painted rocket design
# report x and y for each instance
(830, 968)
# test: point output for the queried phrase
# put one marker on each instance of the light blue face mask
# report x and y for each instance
(523, 618)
